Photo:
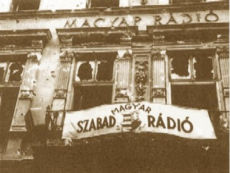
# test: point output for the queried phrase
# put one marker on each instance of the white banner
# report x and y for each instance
(138, 117)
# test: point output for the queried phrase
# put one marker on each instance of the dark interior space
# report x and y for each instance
(195, 96)
(91, 96)
(25, 5)
(8, 98)
(133, 153)
(104, 3)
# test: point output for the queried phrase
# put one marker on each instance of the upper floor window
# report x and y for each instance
(94, 69)
(11, 71)
(93, 80)
(191, 65)
(103, 3)
(18, 5)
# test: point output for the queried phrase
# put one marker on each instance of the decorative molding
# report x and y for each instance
(127, 36)
(37, 43)
(141, 77)
(66, 41)
(121, 95)
(34, 56)
(26, 94)
(158, 53)
(224, 121)
(66, 56)
(60, 93)
(158, 38)
(158, 93)
(221, 38)
(222, 51)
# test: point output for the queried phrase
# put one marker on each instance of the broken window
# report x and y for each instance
(15, 71)
(11, 71)
(203, 68)
(94, 70)
(191, 65)
(105, 70)
(25, 5)
(93, 80)
(180, 68)
(85, 70)
(103, 3)
(3, 67)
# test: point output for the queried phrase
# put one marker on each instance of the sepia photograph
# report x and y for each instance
(114, 86)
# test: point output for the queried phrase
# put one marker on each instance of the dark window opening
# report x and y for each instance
(203, 68)
(90, 96)
(25, 5)
(104, 3)
(85, 71)
(180, 66)
(192, 65)
(11, 71)
(96, 69)
(16, 69)
(195, 96)
(105, 71)
(3, 67)
(8, 97)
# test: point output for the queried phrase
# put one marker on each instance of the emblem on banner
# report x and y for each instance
(131, 121)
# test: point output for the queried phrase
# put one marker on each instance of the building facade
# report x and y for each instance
(59, 56)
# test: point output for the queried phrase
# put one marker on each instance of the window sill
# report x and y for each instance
(93, 83)
(192, 82)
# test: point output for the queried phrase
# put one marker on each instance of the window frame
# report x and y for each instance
(192, 78)
(95, 57)
(6, 75)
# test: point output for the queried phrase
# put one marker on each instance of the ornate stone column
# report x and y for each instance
(60, 95)
(122, 78)
(142, 76)
(158, 92)
(26, 91)
(223, 85)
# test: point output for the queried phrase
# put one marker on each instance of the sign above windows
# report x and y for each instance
(109, 20)
(177, 18)
(137, 118)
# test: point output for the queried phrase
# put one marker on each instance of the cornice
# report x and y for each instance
(116, 11)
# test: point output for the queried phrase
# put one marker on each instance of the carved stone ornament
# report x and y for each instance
(121, 95)
(34, 56)
(66, 56)
(37, 43)
(158, 93)
(158, 38)
(158, 53)
(127, 55)
(60, 93)
(67, 41)
(27, 94)
(141, 68)
(224, 121)
(223, 51)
